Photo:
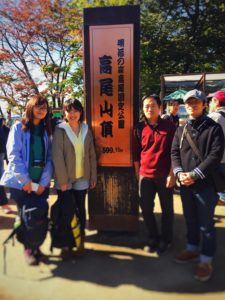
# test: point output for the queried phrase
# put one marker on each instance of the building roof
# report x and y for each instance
(209, 82)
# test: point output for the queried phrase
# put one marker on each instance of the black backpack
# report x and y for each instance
(64, 226)
(31, 226)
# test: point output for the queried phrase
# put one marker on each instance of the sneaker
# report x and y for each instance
(203, 271)
(163, 247)
(186, 256)
(151, 246)
(6, 208)
(30, 259)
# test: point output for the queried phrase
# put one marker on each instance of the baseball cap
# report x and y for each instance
(220, 96)
(194, 94)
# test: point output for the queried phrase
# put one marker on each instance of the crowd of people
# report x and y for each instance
(164, 154)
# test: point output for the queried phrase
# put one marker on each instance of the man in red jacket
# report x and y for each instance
(152, 141)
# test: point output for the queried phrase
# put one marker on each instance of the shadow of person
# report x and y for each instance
(111, 262)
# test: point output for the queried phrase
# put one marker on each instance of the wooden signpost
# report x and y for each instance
(111, 48)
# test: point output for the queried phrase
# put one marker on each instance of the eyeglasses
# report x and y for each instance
(41, 107)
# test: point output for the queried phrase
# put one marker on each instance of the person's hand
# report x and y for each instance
(185, 179)
(64, 187)
(92, 184)
(40, 189)
(170, 181)
(27, 187)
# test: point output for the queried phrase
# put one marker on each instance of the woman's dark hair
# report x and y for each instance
(27, 120)
(74, 104)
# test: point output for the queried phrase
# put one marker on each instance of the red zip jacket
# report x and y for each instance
(151, 147)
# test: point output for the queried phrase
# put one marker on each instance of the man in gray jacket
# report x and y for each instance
(217, 113)
(195, 173)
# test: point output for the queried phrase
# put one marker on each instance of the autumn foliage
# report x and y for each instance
(40, 49)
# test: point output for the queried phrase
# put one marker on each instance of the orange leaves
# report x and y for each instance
(5, 54)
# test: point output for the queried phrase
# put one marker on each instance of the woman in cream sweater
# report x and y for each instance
(74, 162)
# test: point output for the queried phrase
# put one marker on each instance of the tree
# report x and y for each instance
(41, 44)
(180, 37)
(40, 50)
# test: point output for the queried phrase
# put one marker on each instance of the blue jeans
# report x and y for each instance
(148, 187)
(198, 208)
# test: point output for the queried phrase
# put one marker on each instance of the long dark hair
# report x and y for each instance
(28, 117)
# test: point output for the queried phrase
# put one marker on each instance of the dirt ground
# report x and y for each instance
(114, 267)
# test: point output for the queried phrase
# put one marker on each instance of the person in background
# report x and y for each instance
(217, 113)
(4, 132)
(198, 194)
(75, 166)
(152, 139)
(173, 112)
(29, 172)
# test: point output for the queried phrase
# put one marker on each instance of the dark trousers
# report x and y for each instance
(148, 188)
(79, 197)
(198, 208)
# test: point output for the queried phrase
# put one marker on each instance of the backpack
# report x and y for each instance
(31, 224)
(64, 225)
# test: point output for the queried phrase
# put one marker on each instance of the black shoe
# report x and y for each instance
(151, 246)
(163, 247)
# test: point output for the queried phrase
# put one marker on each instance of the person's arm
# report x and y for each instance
(48, 169)
(215, 155)
(176, 154)
(170, 180)
(15, 147)
(136, 148)
(137, 169)
(58, 158)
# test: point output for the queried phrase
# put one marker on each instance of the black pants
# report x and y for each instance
(148, 188)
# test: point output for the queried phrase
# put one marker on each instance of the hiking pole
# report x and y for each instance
(16, 225)
(4, 260)
(4, 250)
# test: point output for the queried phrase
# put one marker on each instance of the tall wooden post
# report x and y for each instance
(111, 48)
